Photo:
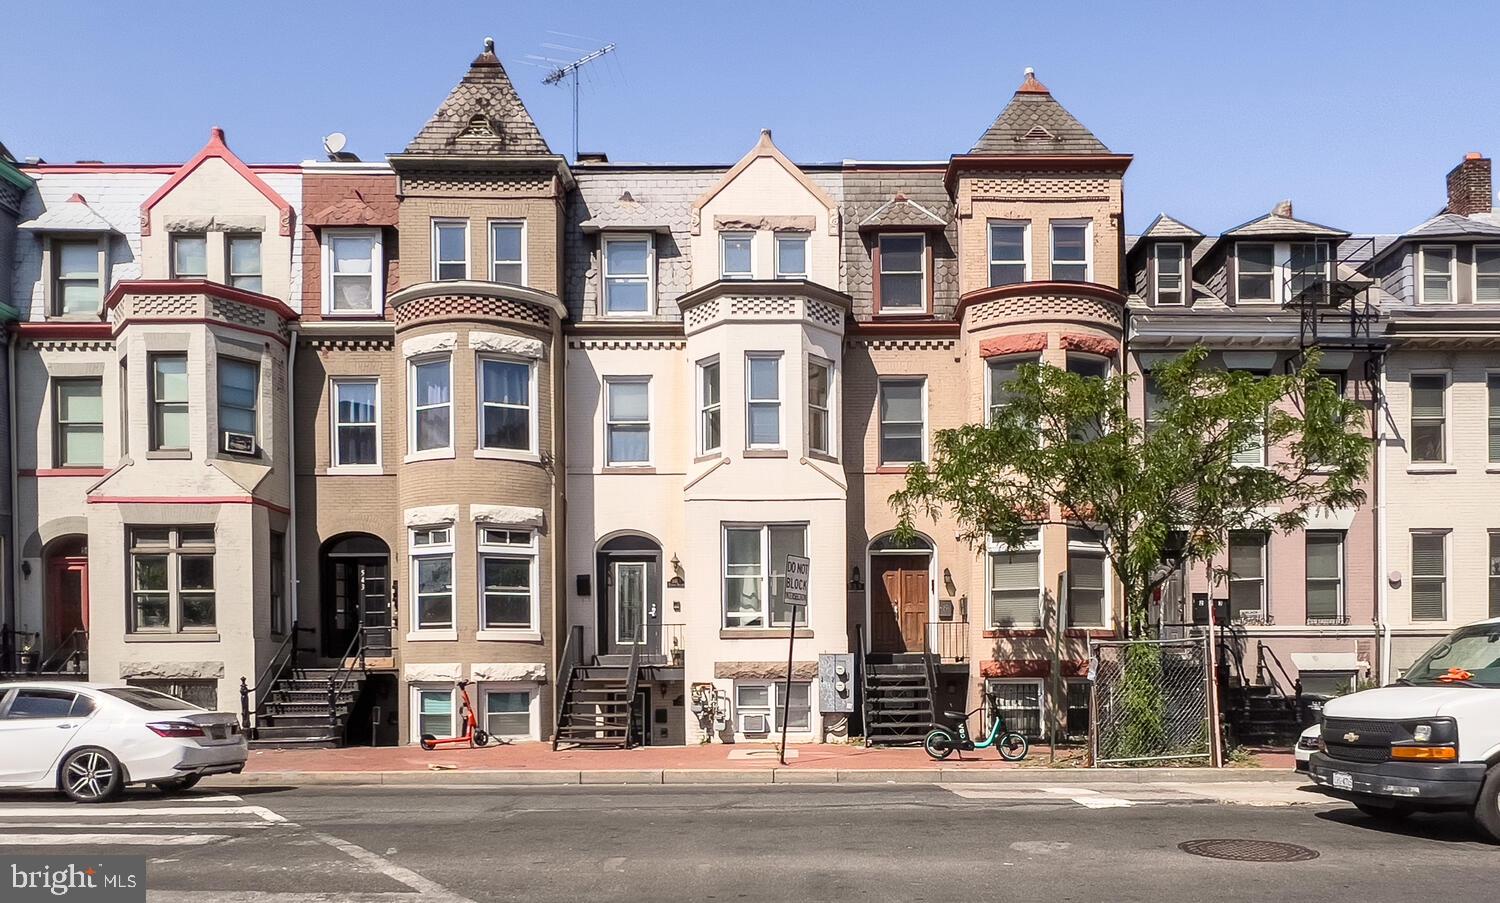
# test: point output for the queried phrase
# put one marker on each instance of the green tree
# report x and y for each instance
(1064, 448)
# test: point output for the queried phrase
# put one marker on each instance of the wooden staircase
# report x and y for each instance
(298, 711)
(898, 698)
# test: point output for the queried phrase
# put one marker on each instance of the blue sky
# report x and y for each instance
(1353, 110)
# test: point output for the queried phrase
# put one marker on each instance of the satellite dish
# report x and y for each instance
(334, 143)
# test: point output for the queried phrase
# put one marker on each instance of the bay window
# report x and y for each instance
(506, 402)
(169, 402)
(709, 436)
(431, 414)
(507, 579)
(819, 388)
(508, 252)
(763, 400)
(754, 571)
(172, 579)
(239, 392)
(432, 576)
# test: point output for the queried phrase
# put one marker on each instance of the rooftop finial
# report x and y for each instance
(489, 45)
(1029, 84)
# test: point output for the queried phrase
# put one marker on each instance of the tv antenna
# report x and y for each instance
(570, 71)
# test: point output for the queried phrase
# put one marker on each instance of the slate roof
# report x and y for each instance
(1034, 123)
(902, 212)
(1166, 227)
(355, 210)
(1276, 224)
(482, 117)
(625, 212)
(1453, 225)
(73, 216)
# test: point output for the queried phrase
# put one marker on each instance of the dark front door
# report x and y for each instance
(632, 605)
(67, 599)
(358, 595)
(898, 603)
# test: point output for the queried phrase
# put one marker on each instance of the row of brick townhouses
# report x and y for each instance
(485, 414)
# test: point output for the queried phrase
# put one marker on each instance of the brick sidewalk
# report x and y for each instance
(717, 757)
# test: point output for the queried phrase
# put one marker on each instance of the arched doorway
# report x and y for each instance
(900, 593)
(356, 593)
(66, 561)
(629, 575)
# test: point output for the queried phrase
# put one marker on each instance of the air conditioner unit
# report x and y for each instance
(239, 443)
(755, 724)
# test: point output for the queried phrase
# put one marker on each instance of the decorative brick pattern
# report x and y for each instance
(1058, 308)
(763, 306)
(701, 314)
(827, 314)
(495, 184)
(450, 307)
(161, 306)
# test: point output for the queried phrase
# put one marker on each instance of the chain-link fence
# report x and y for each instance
(1151, 701)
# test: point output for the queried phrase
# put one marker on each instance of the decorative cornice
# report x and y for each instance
(1022, 289)
(481, 289)
(962, 163)
(197, 286)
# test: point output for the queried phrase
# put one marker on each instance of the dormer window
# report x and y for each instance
(1437, 274)
(627, 275)
(353, 272)
(1256, 266)
(903, 273)
(77, 283)
(1169, 260)
(737, 255)
(1487, 273)
(189, 256)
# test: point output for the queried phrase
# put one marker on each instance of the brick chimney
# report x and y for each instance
(1469, 186)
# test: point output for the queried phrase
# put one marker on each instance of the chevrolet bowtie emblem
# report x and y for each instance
(1351, 737)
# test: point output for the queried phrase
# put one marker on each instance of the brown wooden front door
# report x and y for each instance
(67, 599)
(898, 603)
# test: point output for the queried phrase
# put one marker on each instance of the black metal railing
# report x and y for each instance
(71, 655)
(864, 690)
(632, 677)
(930, 664)
(572, 655)
(338, 682)
(949, 639)
(673, 644)
(1264, 653)
(282, 660)
(16, 645)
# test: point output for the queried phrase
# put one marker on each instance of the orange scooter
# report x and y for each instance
(473, 734)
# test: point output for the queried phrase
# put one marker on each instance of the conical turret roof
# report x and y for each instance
(482, 117)
(1035, 123)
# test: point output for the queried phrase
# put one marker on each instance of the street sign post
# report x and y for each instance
(794, 594)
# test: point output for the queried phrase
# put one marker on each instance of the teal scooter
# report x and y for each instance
(943, 740)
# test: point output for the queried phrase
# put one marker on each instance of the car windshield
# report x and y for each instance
(150, 700)
(1474, 651)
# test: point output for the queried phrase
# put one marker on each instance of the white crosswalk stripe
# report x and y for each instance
(1124, 796)
(137, 820)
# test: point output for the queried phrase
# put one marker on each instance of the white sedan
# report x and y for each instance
(1307, 744)
(90, 740)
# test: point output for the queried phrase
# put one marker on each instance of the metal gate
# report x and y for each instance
(1151, 701)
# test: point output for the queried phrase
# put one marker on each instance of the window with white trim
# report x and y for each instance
(78, 411)
(819, 406)
(1253, 452)
(754, 571)
(507, 713)
(903, 273)
(1436, 269)
(1429, 575)
(710, 437)
(1486, 273)
(903, 420)
(450, 249)
(432, 578)
(627, 420)
(1429, 418)
(169, 402)
(508, 251)
(435, 711)
(77, 283)
(356, 422)
(627, 275)
(791, 255)
(758, 707)
(1088, 585)
(239, 394)
(432, 404)
(737, 255)
(1255, 269)
(1015, 582)
(1247, 574)
(763, 400)
(1002, 371)
(352, 272)
(1325, 574)
(1071, 254)
(1169, 260)
(1009, 262)
(507, 402)
(172, 579)
(1494, 573)
(189, 255)
(243, 266)
(507, 579)
(1019, 703)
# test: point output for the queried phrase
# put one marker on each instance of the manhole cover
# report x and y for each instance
(1248, 850)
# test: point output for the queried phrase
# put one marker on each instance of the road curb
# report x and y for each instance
(780, 775)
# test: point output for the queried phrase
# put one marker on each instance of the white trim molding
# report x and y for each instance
(429, 344)
(431, 516)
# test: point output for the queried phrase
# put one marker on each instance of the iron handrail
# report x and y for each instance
(10, 641)
(338, 681)
(929, 663)
(566, 664)
(73, 649)
(864, 688)
(1262, 651)
(631, 679)
(271, 666)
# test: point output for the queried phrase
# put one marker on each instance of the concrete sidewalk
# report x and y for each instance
(536, 763)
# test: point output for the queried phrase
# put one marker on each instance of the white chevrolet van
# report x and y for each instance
(1430, 742)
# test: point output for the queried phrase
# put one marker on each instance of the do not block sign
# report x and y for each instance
(794, 588)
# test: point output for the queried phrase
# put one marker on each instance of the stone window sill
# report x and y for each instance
(436, 454)
(169, 454)
(355, 470)
(506, 454)
(146, 637)
(762, 633)
(1431, 468)
(432, 636)
(509, 636)
(822, 456)
(628, 468)
(765, 453)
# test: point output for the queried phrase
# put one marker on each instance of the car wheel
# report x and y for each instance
(173, 785)
(1383, 812)
(1487, 807)
(90, 775)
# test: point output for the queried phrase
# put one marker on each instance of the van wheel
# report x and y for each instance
(90, 775)
(1487, 807)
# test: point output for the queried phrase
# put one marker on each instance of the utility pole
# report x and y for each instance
(570, 70)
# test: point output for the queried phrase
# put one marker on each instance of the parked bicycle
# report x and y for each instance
(943, 740)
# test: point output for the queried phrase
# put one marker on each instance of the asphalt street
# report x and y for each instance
(1048, 842)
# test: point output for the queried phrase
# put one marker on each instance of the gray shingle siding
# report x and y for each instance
(864, 191)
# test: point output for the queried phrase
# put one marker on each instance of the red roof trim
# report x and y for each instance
(42, 329)
(146, 168)
(218, 290)
(1087, 289)
(216, 148)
